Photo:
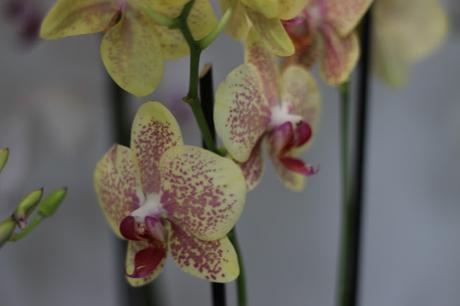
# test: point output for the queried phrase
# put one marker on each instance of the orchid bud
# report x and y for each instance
(26, 207)
(4, 153)
(7, 227)
(52, 202)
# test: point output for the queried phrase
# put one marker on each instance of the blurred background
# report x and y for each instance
(55, 118)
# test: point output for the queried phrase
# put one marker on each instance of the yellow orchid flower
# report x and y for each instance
(163, 196)
(264, 16)
(134, 47)
(405, 32)
(325, 31)
(257, 106)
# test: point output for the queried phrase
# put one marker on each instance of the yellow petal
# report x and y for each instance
(253, 168)
(77, 17)
(238, 25)
(214, 261)
(340, 55)
(154, 131)
(201, 191)
(133, 248)
(257, 54)
(345, 15)
(272, 33)
(132, 55)
(117, 185)
(289, 9)
(290, 179)
(267, 8)
(301, 92)
(242, 113)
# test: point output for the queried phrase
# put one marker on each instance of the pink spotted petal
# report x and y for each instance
(128, 228)
(297, 165)
(345, 15)
(340, 56)
(214, 261)
(144, 262)
(253, 168)
(242, 112)
(117, 185)
(154, 131)
(258, 55)
(201, 191)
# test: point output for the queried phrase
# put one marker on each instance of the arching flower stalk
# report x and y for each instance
(134, 47)
(325, 32)
(256, 106)
(163, 196)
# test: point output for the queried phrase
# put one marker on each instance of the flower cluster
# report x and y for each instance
(165, 197)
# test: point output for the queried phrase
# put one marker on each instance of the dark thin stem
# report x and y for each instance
(354, 210)
(207, 104)
(241, 281)
(121, 135)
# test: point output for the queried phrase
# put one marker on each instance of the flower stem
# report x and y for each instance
(241, 281)
(353, 209)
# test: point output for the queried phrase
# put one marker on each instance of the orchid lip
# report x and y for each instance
(150, 207)
(281, 115)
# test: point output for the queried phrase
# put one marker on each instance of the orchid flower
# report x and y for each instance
(264, 16)
(405, 32)
(163, 196)
(134, 47)
(325, 31)
(258, 106)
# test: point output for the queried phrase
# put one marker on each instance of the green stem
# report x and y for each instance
(29, 228)
(343, 289)
(241, 281)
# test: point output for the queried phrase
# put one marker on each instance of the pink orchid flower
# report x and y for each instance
(325, 31)
(258, 106)
(163, 196)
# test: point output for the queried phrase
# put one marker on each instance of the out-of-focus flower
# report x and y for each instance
(325, 31)
(28, 17)
(134, 47)
(257, 106)
(405, 32)
(162, 195)
(264, 16)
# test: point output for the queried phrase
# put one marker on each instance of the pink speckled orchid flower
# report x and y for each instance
(134, 47)
(264, 17)
(163, 196)
(405, 32)
(256, 106)
(325, 31)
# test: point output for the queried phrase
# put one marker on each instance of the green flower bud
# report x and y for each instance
(26, 207)
(7, 227)
(4, 153)
(52, 202)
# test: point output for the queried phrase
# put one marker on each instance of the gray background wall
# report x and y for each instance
(54, 117)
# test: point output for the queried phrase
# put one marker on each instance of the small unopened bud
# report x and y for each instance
(52, 202)
(4, 153)
(7, 227)
(26, 207)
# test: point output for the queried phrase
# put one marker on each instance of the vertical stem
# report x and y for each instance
(354, 209)
(241, 281)
(121, 134)
(207, 105)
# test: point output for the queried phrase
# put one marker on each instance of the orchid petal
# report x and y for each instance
(214, 261)
(242, 113)
(272, 33)
(344, 15)
(238, 26)
(290, 179)
(265, 62)
(289, 9)
(267, 8)
(144, 262)
(340, 56)
(201, 191)
(78, 17)
(297, 165)
(301, 92)
(131, 52)
(154, 131)
(253, 168)
(116, 181)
